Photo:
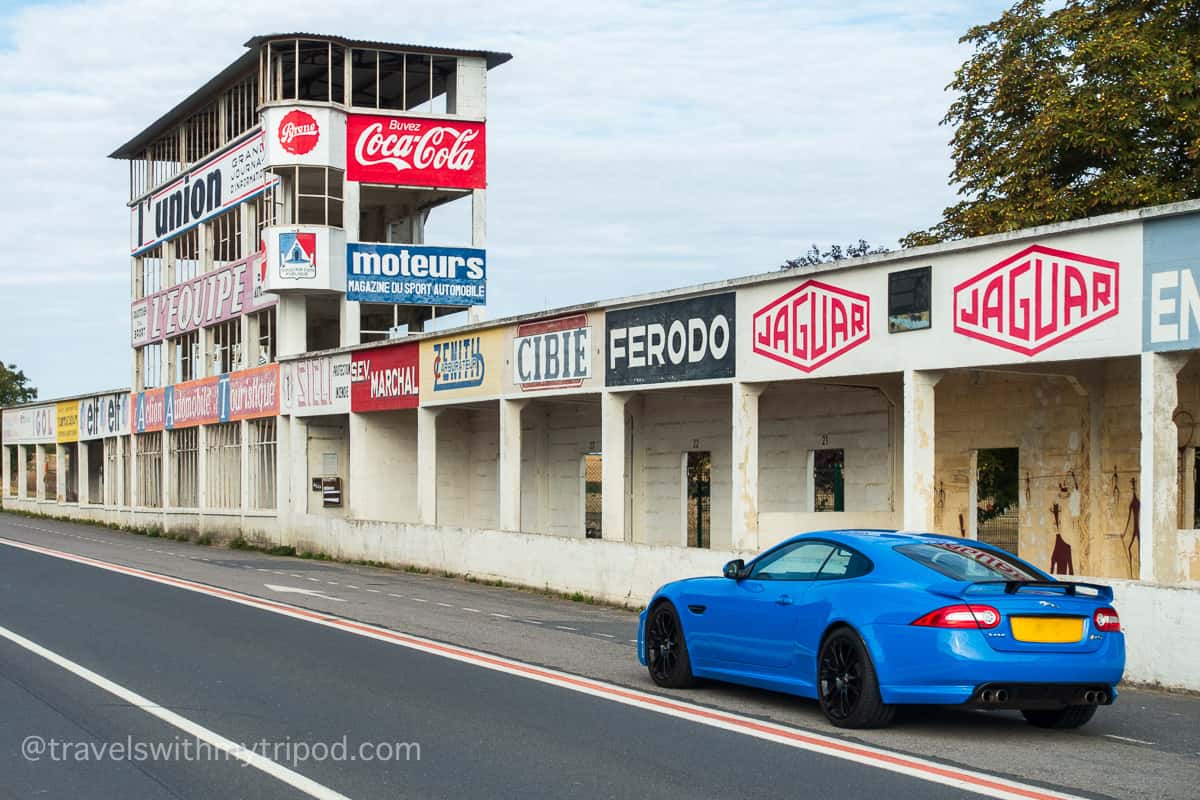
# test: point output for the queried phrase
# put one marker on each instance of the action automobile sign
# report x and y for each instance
(409, 151)
(685, 340)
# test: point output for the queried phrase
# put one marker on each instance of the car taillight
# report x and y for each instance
(963, 616)
(1106, 620)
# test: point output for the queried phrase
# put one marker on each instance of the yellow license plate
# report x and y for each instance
(1047, 629)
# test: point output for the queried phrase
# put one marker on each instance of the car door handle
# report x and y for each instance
(784, 600)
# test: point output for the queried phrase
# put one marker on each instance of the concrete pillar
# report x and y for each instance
(82, 485)
(244, 451)
(614, 519)
(301, 487)
(60, 474)
(135, 496)
(6, 470)
(202, 467)
(168, 479)
(290, 313)
(745, 465)
(1159, 480)
(284, 467)
(918, 449)
(351, 323)
(510, 464)
(427, 465)
(478, 218)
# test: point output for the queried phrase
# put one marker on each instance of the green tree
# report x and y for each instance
(835, 252)
(14, 386)
(1088, 109)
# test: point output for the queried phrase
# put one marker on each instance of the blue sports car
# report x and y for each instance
(865, 620)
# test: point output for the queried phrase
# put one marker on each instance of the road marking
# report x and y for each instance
(420, 600)
(472, 610)
(298, 590)
(373, 591)
(445, 605)
(235, 750)
(351, 586)
(501, 616)
(1126, 739)
(566, 628)
(923, 769)
(606, 635)
(390, 594)
(533, 622)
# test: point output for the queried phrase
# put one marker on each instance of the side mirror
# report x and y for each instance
(735, 569)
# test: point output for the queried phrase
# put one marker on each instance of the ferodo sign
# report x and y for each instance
(385, 378)
(204, 191)
(685, 340)
(1036, 298)
(552, 354)
(812, 325)
(408, 151)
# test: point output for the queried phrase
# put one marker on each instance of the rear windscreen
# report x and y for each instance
(963, 562)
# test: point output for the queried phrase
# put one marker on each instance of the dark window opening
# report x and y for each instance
(699, 498)
(829, 480)
(592, 494)
(997, 510)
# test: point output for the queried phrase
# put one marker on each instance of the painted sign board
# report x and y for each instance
(416, 274)
(245, 394)
(385, 378)
(462, 366)
(552, 354)
(311, 386)
(412, 151)
(29, 424)
(305, 135)
(67, 421)
(207, 299)
(103, 416)
(683, 340)
(210, 188)
(303, 258)
(1171, 277)
(1070, 296)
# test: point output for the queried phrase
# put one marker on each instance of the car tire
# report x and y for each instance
(666, 649)
(847, 687)
(1060, 718)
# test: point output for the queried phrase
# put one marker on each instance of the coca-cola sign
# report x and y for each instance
(298, 132)
(1035, 299)
(812, 325)
(409, 151)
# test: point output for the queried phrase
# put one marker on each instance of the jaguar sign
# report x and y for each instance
(812, 325)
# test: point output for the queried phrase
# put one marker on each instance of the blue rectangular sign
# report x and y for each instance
(1171, 284)
(416, 274)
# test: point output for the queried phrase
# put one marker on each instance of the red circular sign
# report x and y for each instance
(298, 132)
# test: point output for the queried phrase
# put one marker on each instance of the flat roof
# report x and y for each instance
(197, 99)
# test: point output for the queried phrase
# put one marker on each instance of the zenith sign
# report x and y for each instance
(1036, 299)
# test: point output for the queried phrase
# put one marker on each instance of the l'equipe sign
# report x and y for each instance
(409, 151)
(210, 298)
(415, 274)
(204, 191)
(385, 378)
(684, 340)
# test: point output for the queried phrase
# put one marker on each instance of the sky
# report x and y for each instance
(633, 147)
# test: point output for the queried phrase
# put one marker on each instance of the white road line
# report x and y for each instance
(389, 594)
(605, 635)
(420, 600)
(566, 628)
(472, 610)
(966, 780)
(501, 616)
(1126, 739)
(532, 622)
(351, 586)
(372, 591)
(445, 605)
(216, 740)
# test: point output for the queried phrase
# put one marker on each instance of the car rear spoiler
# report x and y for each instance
(1091, 591)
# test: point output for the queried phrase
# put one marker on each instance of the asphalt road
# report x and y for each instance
(253, 676)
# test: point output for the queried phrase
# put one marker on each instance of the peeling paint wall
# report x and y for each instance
(384, 464)
(1052, 418)
(468, 447)
(555, 438)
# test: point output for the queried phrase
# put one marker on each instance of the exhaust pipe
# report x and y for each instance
(1001, 695)
(1095, 697)
(987, 696)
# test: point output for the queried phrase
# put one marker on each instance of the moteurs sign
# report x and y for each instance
(680, 341)
(1035, 299)
(408, 151)
(811, 325)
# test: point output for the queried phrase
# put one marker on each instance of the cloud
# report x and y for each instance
(631, 147)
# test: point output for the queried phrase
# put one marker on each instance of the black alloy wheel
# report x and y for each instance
(666, 651)
(847, 688)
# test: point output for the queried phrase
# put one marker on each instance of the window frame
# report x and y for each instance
(771, 556)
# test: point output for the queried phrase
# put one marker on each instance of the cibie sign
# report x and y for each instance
(1035, 299)
(408, 151)
(811, 325)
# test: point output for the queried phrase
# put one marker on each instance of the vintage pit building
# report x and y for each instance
(1038, 389)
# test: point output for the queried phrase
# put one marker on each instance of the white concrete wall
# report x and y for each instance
(556, 436)
(667, 425)
(383, 466)
(468, 452)
(1161, 637)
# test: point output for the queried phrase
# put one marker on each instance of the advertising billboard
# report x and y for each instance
(462, 366)
(683, 340)
(411, 151)
(416, 274)
(311, 386)
(104, 415)
(29, 424)
(552, 354)
(385, 378)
